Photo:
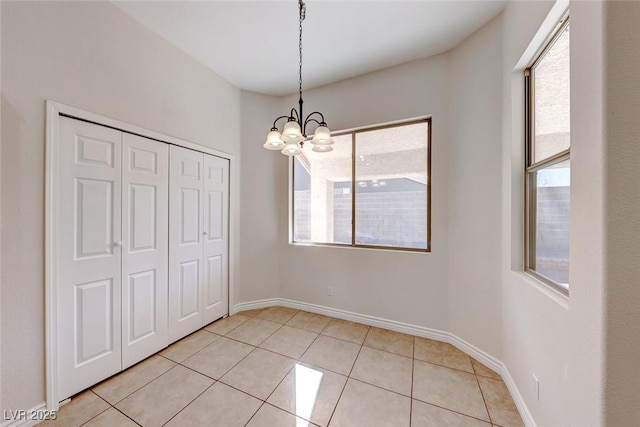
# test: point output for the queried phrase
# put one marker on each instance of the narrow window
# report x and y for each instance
(371, 191)
(548, 164)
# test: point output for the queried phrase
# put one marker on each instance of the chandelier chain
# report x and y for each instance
(303, 9)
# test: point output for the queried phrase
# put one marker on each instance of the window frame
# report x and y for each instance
(531, 167)
(353, 132)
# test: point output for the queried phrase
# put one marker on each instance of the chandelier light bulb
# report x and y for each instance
(322, 136)
(292, 132)
(291, 149)
(274, 141)
(322, 148)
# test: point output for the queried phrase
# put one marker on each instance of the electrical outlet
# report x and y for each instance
(536, 387)
(330, 291)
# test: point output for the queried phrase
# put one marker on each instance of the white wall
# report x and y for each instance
(262, 204)
(557, 339)
(92, 56)
(622, 44)
(403, 286)
(1, 232)
(475, 198)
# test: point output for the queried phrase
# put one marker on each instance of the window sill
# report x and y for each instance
(543, 287)
(361, 247)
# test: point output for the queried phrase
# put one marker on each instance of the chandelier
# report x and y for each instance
(294, 132)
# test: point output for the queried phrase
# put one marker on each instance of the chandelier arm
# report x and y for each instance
(311, 119)
(274, 127)
(294, 115)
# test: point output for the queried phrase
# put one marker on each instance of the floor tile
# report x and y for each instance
(425, 415)
(345, 330)
(443, 354)
(122, 385)
(251, 313)
(161, 399)
(277, 314)
(394, 342)
(188, 346)
(310, 321)
(383, 369)
(110, 418)
(219, 357)
(484, 371)
(268, 416)
(365, 405)
(501, 407)
(254, 331)
(223, 326)
(81, 409)
(288, 341)
(259, 373)
(448, 388)
(310, 393)
(332, 354)
(219, 405)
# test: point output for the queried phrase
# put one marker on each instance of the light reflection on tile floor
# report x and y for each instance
(252, 370)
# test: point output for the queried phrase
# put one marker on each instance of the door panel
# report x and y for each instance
(89, 256)
(185, 242)
(216, 242)
(94, 331)
(145, 222)
(214, 281)
(189, 290)
(143, 216)
(142, 313)
(95, 216)
(189, 218)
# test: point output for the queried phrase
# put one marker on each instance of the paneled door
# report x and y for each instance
(216, 206)
(186, 233)
(145, 247)
(89, 255)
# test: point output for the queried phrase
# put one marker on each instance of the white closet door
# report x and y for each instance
(89, 255)
(185, 242)
(145, 250)
(216, 206)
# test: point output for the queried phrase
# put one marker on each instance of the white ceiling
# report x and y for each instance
(254, 44)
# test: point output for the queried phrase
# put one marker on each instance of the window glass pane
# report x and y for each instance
(391, 186)
(552, 202)
(322, 194)
(551, 100)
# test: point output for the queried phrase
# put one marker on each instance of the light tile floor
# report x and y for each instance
(281, 367)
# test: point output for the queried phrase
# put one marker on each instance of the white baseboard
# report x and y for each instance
(406, 328)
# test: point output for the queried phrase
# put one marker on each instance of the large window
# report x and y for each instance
(372, 190)
(548, 165)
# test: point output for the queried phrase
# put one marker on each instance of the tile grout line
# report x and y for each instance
(482, 394)
(196, 352)
(128, 417)
(187, 405)
(254, 414)
(413, 364)
(99, 413)
(452, 410)
(140, 388)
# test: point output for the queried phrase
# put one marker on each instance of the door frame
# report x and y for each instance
(54, 112)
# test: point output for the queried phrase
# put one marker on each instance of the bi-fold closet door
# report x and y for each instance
(115, 302)
(198, 234)
(112, 278)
